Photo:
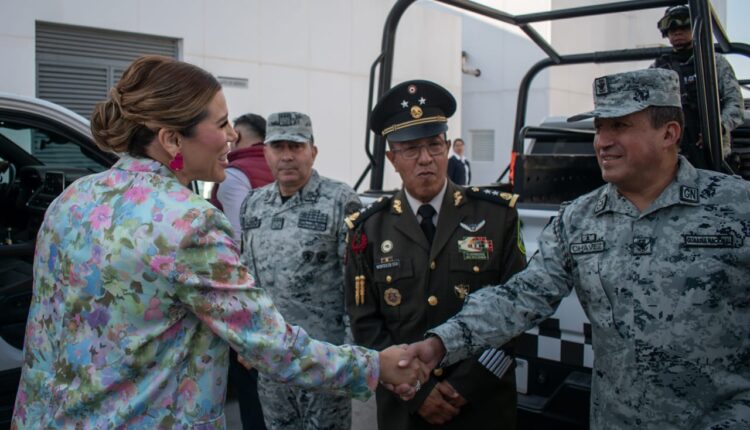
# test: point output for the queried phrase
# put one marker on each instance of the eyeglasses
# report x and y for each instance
(411, 152)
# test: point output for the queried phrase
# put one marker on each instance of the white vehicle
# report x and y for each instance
(43, 147)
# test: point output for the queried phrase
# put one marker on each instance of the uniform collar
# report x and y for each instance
(436, 201)
(310, 192)
(683, 190)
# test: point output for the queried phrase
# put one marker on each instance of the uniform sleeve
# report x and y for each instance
(362, 302)
(471, 379)
(231, 194)
(212, 283)
(730, 96)
(732, 413)
(494, 315)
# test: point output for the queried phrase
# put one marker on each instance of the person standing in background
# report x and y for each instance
(459, 170)
(293, 243)
(676, 27)
(247, 169)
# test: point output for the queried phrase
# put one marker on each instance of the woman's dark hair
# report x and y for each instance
(155, 92)
(254, 122)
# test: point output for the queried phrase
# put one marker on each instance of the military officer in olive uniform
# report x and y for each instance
(414, 258)
(293, 244)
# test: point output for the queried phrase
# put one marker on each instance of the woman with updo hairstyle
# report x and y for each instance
(138, 287)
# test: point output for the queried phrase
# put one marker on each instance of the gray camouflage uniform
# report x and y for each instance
(667, 290)
(295, 251)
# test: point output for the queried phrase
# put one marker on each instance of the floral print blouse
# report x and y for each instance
(138, 295)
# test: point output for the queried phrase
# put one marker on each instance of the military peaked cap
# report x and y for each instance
(412, 110)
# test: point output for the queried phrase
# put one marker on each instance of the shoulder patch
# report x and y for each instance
(491, 195)
(356, 218)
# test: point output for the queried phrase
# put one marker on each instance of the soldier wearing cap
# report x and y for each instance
(293, 244)
(414, 258)
(675, 26)
(660, 260)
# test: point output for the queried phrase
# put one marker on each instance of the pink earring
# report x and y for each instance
(177, 163)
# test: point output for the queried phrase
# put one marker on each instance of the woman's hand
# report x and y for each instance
(404, 380)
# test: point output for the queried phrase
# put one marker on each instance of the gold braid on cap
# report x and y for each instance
(427, 120)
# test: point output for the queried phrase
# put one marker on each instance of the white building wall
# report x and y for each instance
(312, 56)
(504, 55)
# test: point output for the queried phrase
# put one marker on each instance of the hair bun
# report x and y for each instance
(110, 126)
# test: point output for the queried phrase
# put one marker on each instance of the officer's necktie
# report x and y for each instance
(427, 212)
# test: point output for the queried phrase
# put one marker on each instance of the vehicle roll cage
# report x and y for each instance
(704, 48)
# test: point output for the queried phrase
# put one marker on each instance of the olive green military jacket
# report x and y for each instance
(397, 288)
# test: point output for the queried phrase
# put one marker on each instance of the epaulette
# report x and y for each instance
(495, 196)
(356, 218)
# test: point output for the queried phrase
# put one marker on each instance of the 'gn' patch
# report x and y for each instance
(277, 223)
(688, 194)
(641, 245)
(313, 220)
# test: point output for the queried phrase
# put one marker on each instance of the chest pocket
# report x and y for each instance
(474, 262)
(316, 250)
(394, 286)
(594, 298)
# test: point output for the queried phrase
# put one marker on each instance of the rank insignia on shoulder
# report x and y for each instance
(397, 207)
(495, 196)
(392, 297)
(356, 218)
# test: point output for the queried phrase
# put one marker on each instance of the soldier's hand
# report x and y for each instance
(397, 378)
(436, 409)
(429, 351)
(451, 395)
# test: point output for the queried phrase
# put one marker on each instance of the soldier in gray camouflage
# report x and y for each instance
(293, 244)
(660, 260)
(675, 25)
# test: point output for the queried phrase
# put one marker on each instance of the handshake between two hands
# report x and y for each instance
(404, 368)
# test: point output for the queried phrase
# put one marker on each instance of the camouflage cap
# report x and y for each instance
(291, 126)
(625, 93)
